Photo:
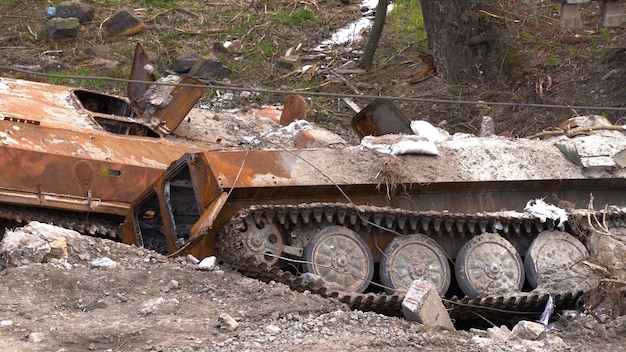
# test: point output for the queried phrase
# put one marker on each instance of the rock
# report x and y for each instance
(49, 65)
(100, 64)
(272, 329)
(289, 63)
(226, 323)
(528, 330)
(35, 337)
(151, 305)
(209, 67)
(103, 263)
(191, 259)
(423, 304)
(173, 284)
(124, 23)
(208, 263)
(499, 334)
(62, 29)
(21, 248)
(58, 249)
(81, 11)
(487, 127)
(184, 62)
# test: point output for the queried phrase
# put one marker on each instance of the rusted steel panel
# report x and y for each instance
(56, 154)
(378, 118)
(136, 90)
(183, 100)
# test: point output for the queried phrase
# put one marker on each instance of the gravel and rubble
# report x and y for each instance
(147, 302)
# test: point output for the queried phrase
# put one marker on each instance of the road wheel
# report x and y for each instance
(341, 259)
(488, 264)
(412, 257)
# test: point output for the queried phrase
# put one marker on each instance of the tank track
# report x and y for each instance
(232, 251)
(90, 224)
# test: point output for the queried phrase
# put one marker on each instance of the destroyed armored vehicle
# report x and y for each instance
(90, 153)
(492, 222)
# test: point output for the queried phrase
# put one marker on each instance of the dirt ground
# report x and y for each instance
(150, 303)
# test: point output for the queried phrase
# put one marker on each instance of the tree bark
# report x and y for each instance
(464, 38)
(377, 29)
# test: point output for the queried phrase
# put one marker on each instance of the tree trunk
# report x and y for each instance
(464, 39)
(377, 29)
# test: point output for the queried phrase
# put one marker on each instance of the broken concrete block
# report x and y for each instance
(570, 17)
(226, 323)
(124, 23)
(83, 12)
(58, 249)
(20, 248)
(62, 29)
(528, 330)
(423, 304)
(612, 13)
(208, 263)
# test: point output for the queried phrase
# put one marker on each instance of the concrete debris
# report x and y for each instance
(20, 248)
(191, 259)
(103, 263)
(150, 306)
(35, 337)
(487, 127)
(313, 278)
(208, 263)
(528, 330)
(226, 323)
(423, 304)
(272, 329)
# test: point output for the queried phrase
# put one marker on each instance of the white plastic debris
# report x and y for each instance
(547, 312)
(544, 211)
(400, 144)
(425, 129)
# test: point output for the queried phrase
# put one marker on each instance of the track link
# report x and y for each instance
(233, 251)
(90, 224)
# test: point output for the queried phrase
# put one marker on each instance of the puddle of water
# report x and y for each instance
(352, 32)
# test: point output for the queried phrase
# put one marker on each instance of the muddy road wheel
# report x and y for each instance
(488, 264)
(552, 252)
(341, 259)
(412, 257)
(264, 242)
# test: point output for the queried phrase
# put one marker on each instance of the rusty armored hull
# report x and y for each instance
(360, 220)
(89, 153)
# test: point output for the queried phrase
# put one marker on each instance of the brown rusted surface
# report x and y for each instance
(378, 118)
(139, 80)
(183, 100)
(74, 149)
(295, 109)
